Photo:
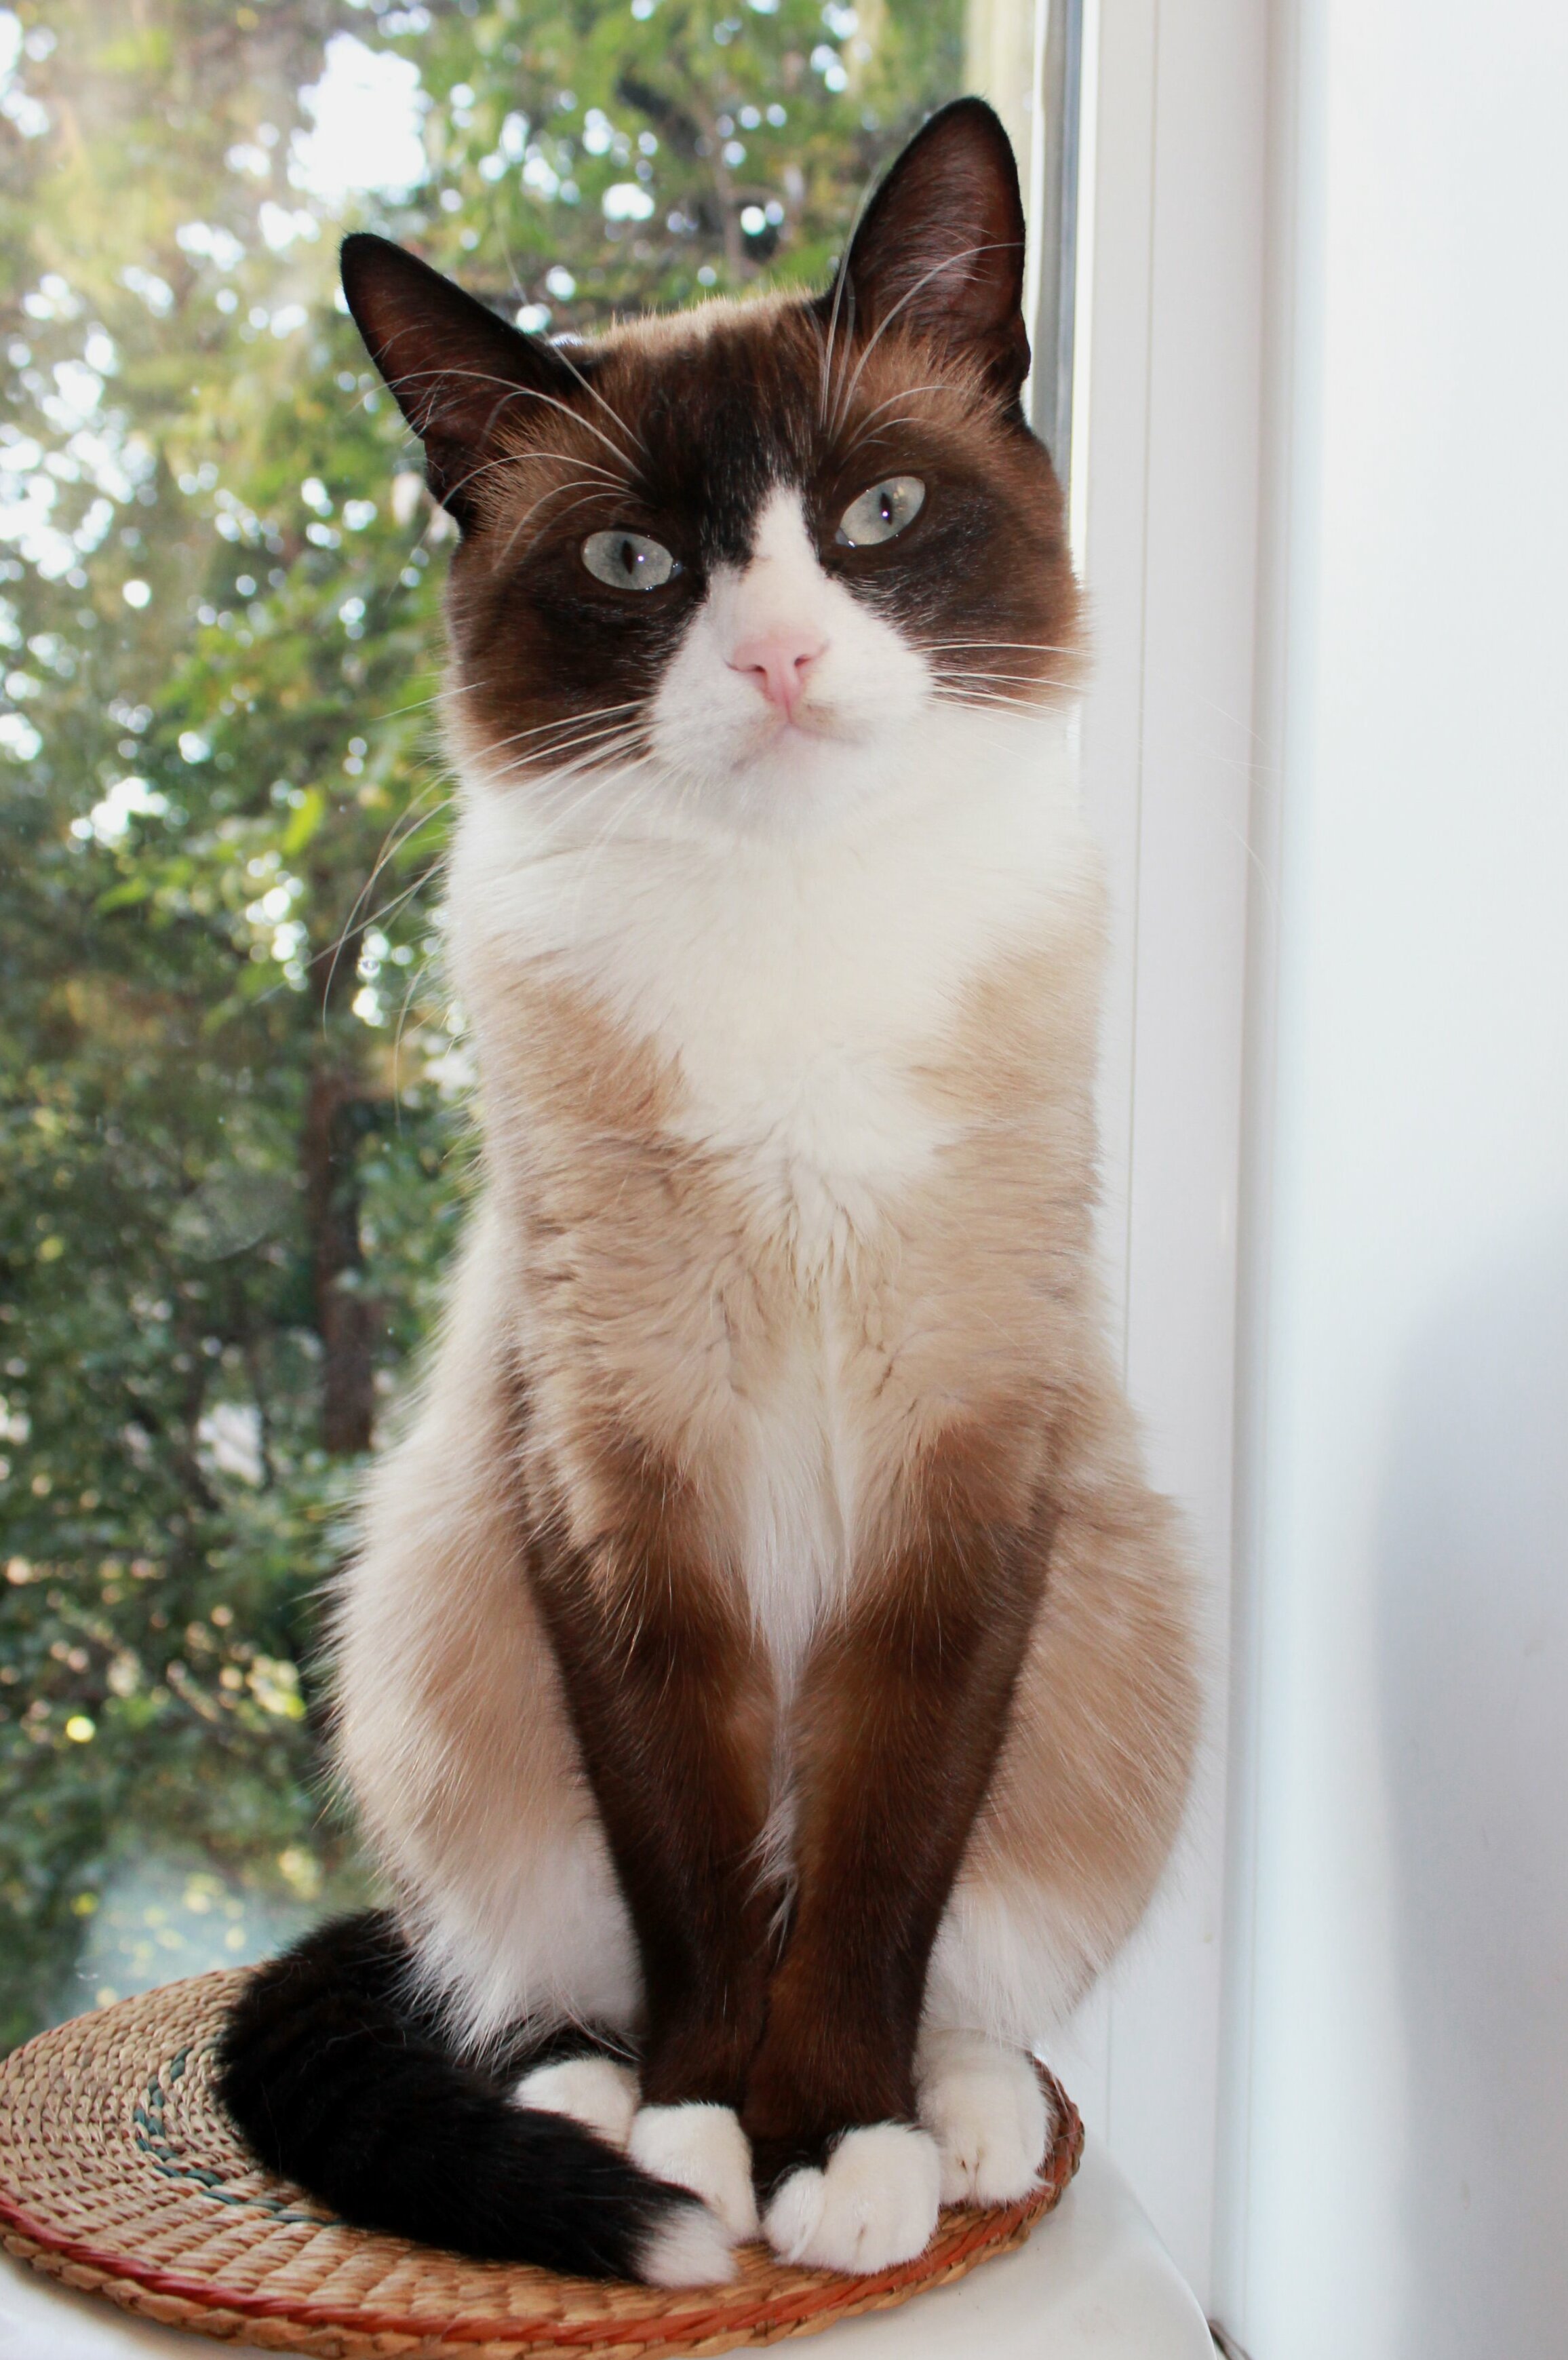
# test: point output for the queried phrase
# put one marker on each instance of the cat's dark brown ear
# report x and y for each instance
(458, 373)
(940, 246)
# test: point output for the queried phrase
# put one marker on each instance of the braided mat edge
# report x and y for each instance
(121, 2177)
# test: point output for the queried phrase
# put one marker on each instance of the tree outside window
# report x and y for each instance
(233, 1150)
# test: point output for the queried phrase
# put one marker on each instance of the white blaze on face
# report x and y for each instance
(788, 697)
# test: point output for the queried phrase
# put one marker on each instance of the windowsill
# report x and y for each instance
(1092, 2283)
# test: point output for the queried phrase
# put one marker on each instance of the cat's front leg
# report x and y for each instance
(672, 1708)
(901, 1715)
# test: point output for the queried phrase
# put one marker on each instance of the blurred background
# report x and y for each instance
(232, 1147)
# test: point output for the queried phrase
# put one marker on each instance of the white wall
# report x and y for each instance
(1396, 2154)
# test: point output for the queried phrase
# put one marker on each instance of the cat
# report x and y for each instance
(767, 1679)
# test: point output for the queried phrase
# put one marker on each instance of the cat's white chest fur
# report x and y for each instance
(800, 987)
(795, 1028)
(798, 982)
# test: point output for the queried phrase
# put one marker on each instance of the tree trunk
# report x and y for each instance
(346, 1317)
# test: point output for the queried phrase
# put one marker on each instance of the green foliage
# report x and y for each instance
(232, 1147)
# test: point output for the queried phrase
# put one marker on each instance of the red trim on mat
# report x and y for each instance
(771, 2311)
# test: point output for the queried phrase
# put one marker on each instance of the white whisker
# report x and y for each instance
(1033, 647)
(580, 483)
(591, 753)
(867, 432)
(948, 262)
(962, 671)
(841, 278)
(994, 701)
(416, 977)
(614, 415)
(389, 909)
(511, 391)
(438, 696)
(573, 721)
(403, 829)
(579, 746)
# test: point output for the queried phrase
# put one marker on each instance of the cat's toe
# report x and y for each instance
(594, 2091)
(794, 2214)
(873, 2204)
(702, 2147)
(990, 2117)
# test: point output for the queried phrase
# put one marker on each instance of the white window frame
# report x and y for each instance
(1148, 362)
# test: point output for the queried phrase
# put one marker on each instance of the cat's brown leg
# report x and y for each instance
(672, 1710)
(899, 1722)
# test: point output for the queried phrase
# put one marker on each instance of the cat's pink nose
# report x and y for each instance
(778, 662)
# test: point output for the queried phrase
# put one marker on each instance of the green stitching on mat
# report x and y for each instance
(152, 2137)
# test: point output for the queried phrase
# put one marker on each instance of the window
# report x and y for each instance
(232, 1151)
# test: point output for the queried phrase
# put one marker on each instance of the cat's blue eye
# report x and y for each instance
(881, 512)
(628, 561)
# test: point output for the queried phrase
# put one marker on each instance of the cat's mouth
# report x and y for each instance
(819, 723)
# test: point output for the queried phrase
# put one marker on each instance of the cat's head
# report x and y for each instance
(757, 554)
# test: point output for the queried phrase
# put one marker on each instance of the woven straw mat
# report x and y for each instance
(120, 2175)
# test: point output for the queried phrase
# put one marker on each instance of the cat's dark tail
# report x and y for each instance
(336, 2083)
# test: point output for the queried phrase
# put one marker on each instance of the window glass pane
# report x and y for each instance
(233, 1149)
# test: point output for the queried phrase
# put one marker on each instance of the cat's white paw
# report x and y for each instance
(988, 2115)
(702, 2147)
(874, 2203)
(594, 2091)
(691, 2248)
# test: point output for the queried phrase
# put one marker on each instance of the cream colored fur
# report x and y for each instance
(787, 1049)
